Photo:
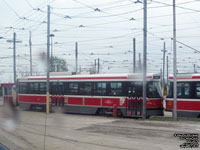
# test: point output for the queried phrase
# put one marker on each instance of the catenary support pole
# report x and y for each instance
(30, 47)
(48, 48)
(144, 58)
(174, 61)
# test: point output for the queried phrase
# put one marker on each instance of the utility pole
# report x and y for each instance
(144, 58)
(14, 58)
(174, 61)
(14, 64)
(163, 75)
(30, 46)
(194, 68)
(76, 56)
(48, 48)
(134, 55)
(98, 65)
(14, 67)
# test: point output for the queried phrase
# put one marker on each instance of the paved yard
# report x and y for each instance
(84, 132)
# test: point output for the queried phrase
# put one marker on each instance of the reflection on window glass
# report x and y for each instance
(73, 88)
(116, 88)
(86, 88)
(154, 90)
(101, 88)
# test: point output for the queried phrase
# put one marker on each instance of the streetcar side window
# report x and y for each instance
(115, 88)
(197, 90)
(61, 88)
(53, 87)
(34, 88)
(183, 90)
(85, 88)
(42, 88)
(23, 88)
(100, 88)
(73, 88)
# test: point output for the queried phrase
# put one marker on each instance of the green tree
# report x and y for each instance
(58, 64)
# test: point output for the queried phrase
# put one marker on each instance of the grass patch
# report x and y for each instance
(171, 119)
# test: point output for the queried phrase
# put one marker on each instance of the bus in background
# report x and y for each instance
(188, 95)
(6, 93)
(93, 94)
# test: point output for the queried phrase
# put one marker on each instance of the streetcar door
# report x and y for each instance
(134, 102)
(57, 95)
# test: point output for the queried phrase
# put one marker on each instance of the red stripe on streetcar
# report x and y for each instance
(7, 84)
(31, 99)
(93, 101)
(196, 77)
(78, 78)
(75, 101)
(183, 105)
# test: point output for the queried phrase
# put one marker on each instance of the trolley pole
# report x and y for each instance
(76, 56)
(134, 55)
(174, 61)
(48, 48)
(144, 58)
(30, 46)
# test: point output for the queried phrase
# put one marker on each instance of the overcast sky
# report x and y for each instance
(103, 29)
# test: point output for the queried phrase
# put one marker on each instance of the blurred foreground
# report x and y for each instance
(25, 130)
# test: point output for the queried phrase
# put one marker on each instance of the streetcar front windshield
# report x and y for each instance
(154, 90)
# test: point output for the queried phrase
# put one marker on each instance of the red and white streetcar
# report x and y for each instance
(6, 93)
(92, 94)
(188, 95)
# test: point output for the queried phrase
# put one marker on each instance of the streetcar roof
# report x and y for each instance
(185, 77)
(107, 77)
(6, 84)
